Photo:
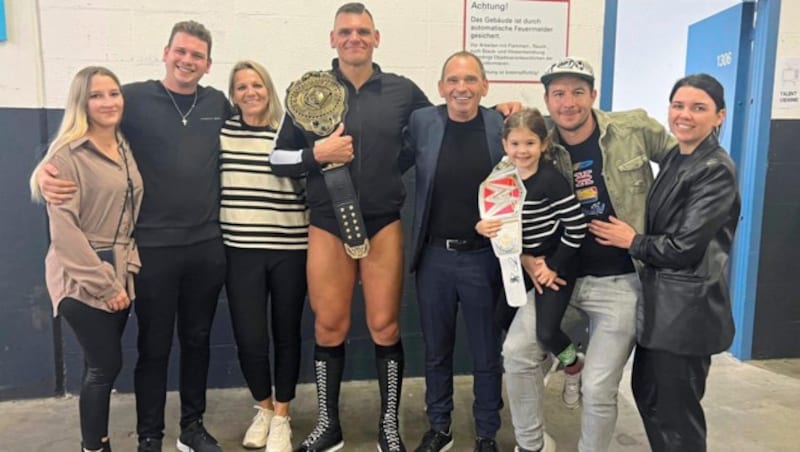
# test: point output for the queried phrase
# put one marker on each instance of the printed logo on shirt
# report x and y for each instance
(582, 172)
(586, 189)
(596, 209)
(586, 195)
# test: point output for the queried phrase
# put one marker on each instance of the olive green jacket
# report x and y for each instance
(629, 140)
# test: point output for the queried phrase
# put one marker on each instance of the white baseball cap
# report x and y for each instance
(573, 66)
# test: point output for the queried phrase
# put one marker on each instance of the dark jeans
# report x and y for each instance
(668, 389)
(180, 282)
(471, 279)
(99, 333)
(262, 282)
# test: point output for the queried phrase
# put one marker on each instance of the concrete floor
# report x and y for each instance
(749, 408)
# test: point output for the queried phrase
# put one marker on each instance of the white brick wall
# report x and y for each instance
(289, 37)
(20, 79)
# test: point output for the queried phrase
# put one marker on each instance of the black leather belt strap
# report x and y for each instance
(317, 103)
(459, 244)
(348, 214)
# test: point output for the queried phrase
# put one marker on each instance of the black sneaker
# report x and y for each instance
(434, 441)
(324, 438)
(390, 441)
(195, 438)
(149, 445)
(485, 445)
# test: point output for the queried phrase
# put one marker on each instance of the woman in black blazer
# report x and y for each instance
(692, 212)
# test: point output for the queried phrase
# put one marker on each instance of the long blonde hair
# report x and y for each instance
(274, 113)
(75, 123)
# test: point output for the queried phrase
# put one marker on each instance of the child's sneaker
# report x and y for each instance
(548, 366)
(571, 394)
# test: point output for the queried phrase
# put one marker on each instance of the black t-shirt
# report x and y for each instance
(464, 162)
(590, 190)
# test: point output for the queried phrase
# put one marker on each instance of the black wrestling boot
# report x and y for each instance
(328, 369)
(390, 363)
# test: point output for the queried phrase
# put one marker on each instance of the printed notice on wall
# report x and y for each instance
(787, 83)
(516, 39)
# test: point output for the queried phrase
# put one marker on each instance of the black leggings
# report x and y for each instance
(99, 333)
(550, 308)
(262, 282)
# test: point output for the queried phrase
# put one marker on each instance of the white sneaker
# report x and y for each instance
(571, 394)
(280, 435)
(548, 365)
(256, 435)
(548, 444)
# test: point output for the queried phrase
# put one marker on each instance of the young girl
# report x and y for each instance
(92, 256)
(553, 227)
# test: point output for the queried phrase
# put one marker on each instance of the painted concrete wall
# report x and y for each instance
(777, 314)
(21, 75)
(49, 40)
(288, 37)
(651, 49)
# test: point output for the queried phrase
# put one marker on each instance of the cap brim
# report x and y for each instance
(547, 78)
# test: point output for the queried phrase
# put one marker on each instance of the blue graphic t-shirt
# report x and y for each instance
(590, 190)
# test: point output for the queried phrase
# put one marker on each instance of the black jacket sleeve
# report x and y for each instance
(293, 156)
(711, 198)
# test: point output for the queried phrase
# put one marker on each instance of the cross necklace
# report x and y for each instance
(175, 104)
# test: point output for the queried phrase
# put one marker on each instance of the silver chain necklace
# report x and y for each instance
(175, 104)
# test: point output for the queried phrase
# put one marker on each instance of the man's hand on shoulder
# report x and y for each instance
(54, 190)
(507, 108)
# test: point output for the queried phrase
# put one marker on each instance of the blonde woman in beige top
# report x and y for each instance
(92, 255)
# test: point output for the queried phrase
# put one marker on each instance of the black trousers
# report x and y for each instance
(176, 283)
(98, 333)
(264, 285)
(668, 389)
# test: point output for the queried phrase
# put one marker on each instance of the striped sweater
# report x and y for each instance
(258, 209)
(553, 225)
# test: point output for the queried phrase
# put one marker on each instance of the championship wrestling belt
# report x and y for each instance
(317, 103)
(501, 197)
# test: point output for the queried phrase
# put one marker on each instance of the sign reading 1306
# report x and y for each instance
(724, 59)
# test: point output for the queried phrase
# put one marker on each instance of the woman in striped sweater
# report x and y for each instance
(264, 222)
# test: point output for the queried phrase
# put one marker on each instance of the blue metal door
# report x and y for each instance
(720, 46)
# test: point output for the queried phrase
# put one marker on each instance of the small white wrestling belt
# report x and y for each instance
(501, 197)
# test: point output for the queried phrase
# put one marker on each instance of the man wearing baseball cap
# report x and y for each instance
(607, 157)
